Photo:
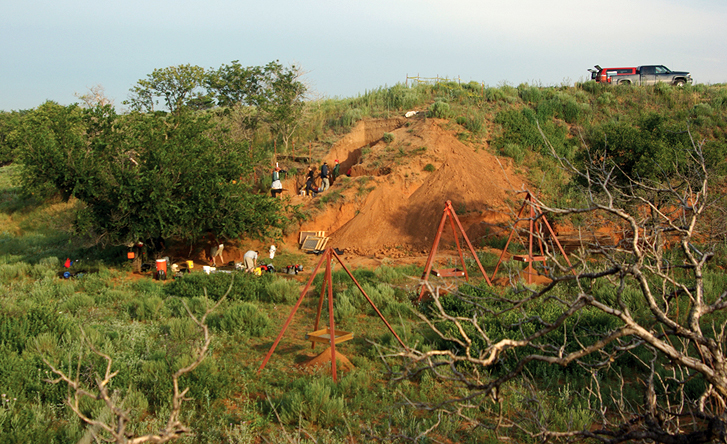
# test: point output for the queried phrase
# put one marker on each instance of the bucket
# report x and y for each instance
(162, 265)
(190, 265)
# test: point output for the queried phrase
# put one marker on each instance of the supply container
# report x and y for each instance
(162, 265)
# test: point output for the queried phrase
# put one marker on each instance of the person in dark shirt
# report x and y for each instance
(325, 182)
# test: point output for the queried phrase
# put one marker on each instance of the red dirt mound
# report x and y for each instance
(392, 202)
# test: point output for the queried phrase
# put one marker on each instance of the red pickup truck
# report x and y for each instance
(642, 75)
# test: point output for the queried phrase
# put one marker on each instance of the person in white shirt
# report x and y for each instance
(250, 260)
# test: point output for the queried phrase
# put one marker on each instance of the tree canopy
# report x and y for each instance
(271, 94)
(144, 176)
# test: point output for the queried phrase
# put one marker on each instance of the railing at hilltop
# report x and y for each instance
(429, 80)
(419, 80)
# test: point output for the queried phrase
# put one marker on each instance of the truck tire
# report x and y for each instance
(679, 82)
(625, 82)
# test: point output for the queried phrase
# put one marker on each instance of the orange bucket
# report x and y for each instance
(162, 265)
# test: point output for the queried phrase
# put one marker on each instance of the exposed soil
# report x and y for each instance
(392, 206)
(389, 205)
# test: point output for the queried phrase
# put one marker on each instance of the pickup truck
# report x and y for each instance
(643, 75)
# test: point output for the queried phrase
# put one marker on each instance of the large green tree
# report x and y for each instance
(272, 94)
(177, 86)
(9, 123)
(284, 104)
(144, 176)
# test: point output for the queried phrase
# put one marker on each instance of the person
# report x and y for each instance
(310, 189)
(272, 251)
(277, 186)
(215, 251)
(336, 171)
(250, 260)
(325, 183)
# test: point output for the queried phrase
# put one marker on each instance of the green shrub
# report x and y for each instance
(351, 116)
(429, 168)
(145, 308)
(241, 318)
(246, 287)
(281, 290)
(529, 94)
(18, 327)
(388, 137)
(343, 309)
(314, 401)
(475, 124)
(513, 150)
(78, 302)
(16, 270)
(440, 110)
(605, 99)
(394, 275)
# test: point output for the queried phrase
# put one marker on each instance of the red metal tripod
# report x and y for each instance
(449, 212)
(536, 220)
(327, 335)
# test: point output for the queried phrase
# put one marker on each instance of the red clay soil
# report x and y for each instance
(390, 207)
(400, 214)
(323, 361)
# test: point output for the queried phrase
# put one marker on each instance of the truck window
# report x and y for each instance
(662, 70)
(647, 70)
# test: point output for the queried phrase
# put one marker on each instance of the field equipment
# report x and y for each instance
(327, 335)
(536, 221)
(451, 272)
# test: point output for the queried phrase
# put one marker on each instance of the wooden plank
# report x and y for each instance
(304, 234)
(324, 336)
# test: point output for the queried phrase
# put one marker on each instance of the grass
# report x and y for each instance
(144, 326)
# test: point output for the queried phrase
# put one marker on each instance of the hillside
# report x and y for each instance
(391, 203)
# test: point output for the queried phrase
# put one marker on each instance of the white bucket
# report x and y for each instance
(206, 269)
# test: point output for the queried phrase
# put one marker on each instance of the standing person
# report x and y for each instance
(215, 251)
(272, 251)
(277, 186)
(336, 171)
(250, 260)
(325, 183)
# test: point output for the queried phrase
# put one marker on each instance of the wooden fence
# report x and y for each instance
(429, 80)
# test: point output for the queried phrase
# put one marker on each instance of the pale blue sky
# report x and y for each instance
(53, 49)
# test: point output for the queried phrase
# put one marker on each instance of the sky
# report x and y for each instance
(52, 50)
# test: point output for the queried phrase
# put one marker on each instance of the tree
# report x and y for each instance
(629, 349)
(9, 124)
(241, 91)
(177, 86)
(284, 104)
(272, 94)
(96, 96)
(145, 176)
(234, 84)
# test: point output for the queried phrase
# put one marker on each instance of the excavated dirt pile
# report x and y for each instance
(393, 200)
